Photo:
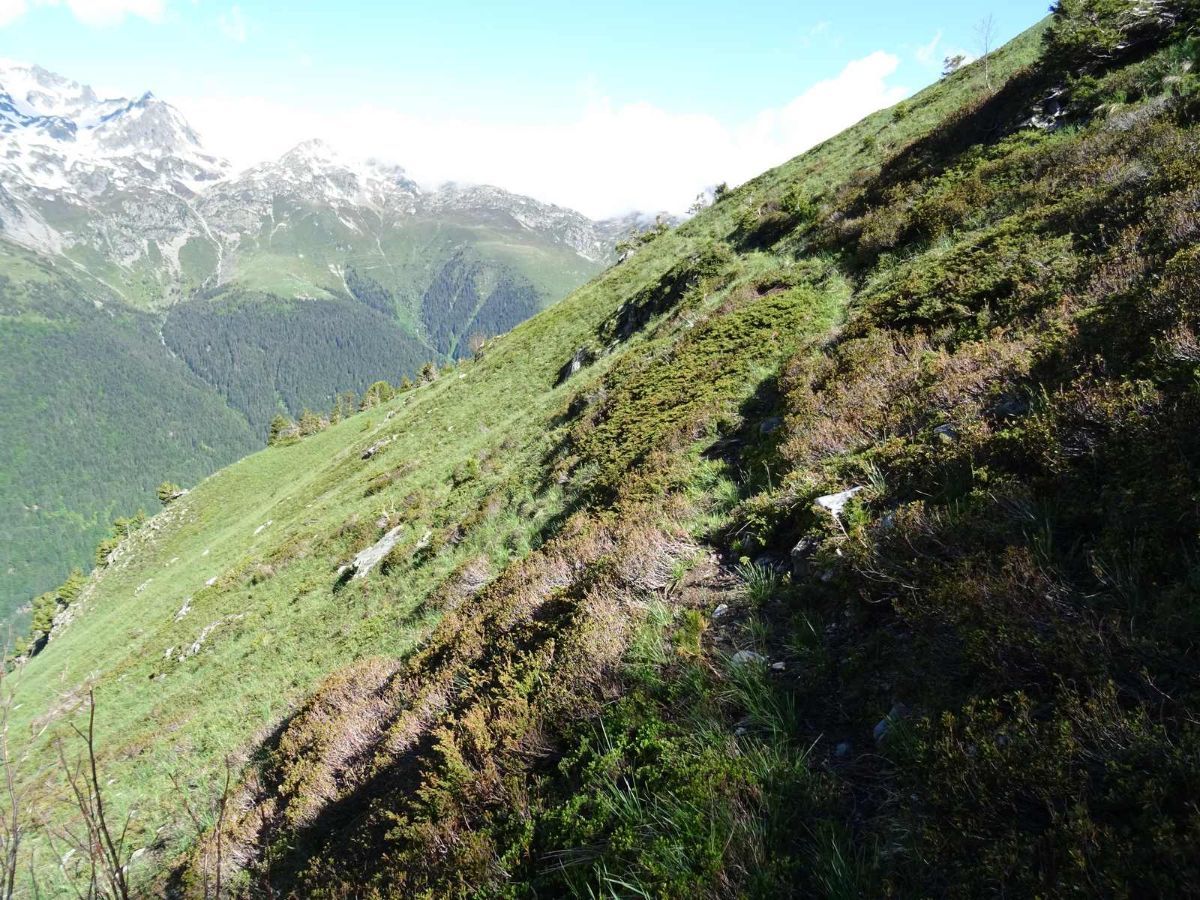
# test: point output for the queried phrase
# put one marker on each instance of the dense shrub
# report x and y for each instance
(1092, 33)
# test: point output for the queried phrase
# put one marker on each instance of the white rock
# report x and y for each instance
(720, 610)
(747, 657)
(835, 503)
(885, 725)
(375, 448)
(373, 555)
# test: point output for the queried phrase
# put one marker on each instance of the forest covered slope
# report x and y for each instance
(840, 542)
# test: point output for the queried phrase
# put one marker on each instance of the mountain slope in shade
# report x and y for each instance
(95, 412)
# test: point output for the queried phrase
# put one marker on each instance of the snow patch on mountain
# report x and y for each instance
(130, 181)
(58, 135)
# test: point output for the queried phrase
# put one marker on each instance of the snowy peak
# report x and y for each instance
(72, 132)
(314, 164)
(36, 92)
(313, 152)
(316, 159)
(566, 225)
(147, 125)
(113, 174)
(313, 172)
(33, 97)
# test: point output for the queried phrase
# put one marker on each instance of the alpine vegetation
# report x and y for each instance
(840, 541)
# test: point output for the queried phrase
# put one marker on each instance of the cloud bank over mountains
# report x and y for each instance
(608, 159)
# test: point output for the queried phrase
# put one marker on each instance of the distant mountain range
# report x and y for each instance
(125, 190)
(157, 308)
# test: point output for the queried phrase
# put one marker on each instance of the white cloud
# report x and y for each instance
(608, 159)
(935, 53)
(112, 12)
(11, 10)
(89, 12)
(927, 54)
(818, 32)
(233, 24)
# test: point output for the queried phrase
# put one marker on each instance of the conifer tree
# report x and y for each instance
(168, 491)
(281, 427)
(310, 423)
(379, 392)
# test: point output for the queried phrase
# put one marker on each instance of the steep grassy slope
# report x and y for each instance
(312, 307)
(618, 647)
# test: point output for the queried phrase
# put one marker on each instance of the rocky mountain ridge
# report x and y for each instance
(125, 189)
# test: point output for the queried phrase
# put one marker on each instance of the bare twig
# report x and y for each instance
(985, 34)
(103, 851)
(197, 823)
(73, 846)
(214, 844)
(221, 805)
(12, 821)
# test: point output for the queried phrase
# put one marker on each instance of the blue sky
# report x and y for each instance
(591, 105)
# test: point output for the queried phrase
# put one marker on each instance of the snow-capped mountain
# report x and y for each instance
(586, 237)
(310, 175)
(59, 136)
(125, 190)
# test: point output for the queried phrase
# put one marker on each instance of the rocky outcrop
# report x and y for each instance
(368, 559)
(375, 448)
(801, 556)
(584, 356)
